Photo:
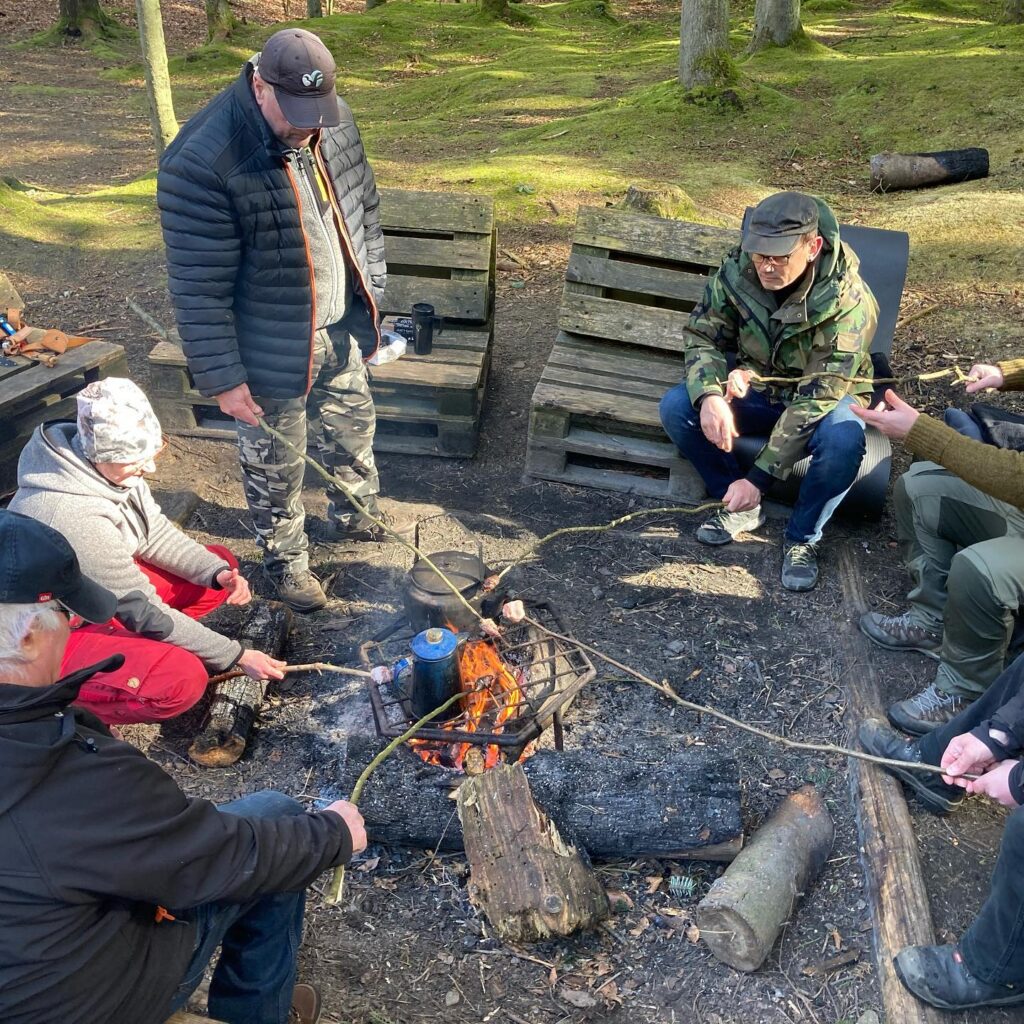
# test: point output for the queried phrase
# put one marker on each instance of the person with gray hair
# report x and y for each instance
(116, 889)
(86, 479)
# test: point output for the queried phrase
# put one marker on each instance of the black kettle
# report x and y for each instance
(429, 602)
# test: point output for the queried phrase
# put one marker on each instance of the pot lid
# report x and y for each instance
(463, 568)
(434, 644)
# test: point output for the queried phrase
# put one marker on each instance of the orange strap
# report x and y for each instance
(163, 914)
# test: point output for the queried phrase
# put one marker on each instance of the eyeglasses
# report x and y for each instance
(775, 261)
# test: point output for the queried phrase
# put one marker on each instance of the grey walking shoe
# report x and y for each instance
(939, 976)
(878, 739)
(799, 566)
(900, 633)
(723, 526)
(300, 590)
(926, 710)
(372, 533)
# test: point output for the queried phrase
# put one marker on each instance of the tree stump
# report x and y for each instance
(746, 907)
(525, 877)
(236, 702)
(660, 201)
(891, 172)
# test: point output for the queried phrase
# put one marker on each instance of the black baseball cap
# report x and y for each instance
(778, 222)
(301, 70)
(38, 565)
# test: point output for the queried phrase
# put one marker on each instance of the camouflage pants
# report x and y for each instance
(342, 421)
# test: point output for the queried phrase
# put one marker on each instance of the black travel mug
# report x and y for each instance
(423, 320)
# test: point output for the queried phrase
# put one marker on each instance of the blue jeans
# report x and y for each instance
(963, 423)
(259, 940)
(836, 449)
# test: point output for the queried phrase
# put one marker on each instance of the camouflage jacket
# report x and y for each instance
(825, 327)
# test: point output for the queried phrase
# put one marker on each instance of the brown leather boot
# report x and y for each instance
(306, 1004)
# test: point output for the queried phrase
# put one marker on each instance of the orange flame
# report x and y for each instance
(493, 696)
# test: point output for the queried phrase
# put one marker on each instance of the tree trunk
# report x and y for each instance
(704, 43)
(530, 883)
(220, 22)
(236, 702)
(667, 803)
(494, 8)
(84, 17)
(891, 172)
(370, 4)
(776, 23)
(746, 907)
(1013, 12)
(314, 9)
(158, 82)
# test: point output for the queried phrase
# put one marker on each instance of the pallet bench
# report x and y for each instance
(631, 283)
(440, 249)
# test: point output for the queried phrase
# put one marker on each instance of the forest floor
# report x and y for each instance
(546, 117)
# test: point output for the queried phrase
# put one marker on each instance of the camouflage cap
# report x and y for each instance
(116, 423)
(777, 223)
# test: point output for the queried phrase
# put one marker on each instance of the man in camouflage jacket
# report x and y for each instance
(789, 302)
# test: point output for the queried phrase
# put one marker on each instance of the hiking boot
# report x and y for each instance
(926, 710)
(799, 566)
(306, 1004)
(900, 633)
(938, 976)
(300, 590)
(723, 526)
(372, 533)
(932, 793)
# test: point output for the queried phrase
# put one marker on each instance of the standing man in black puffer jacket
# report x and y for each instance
(275, 261)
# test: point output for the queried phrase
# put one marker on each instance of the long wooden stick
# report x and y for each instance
(316, 666)
(951, 371)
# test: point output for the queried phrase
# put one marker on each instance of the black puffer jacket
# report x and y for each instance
(93, 837)
(237, 258)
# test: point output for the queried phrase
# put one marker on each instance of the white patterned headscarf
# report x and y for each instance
(116, 423)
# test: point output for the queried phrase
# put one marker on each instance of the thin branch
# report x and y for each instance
(146, 318)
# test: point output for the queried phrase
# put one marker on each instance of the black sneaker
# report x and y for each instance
(926, 710)
(899, 633)
(723, 526)
(938, 976)
(933, 794)
(799, 566)
(300, 590)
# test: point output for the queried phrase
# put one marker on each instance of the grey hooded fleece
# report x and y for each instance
(109, 526)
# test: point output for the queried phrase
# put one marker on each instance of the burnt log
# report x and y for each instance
(236, 701)
(666, 802)
(891, 172)
(746, 907)
(524, 876)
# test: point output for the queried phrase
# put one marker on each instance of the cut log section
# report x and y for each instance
(669, 803)
(746, 907)
(524, 876)
(236, 702)
(891, 172)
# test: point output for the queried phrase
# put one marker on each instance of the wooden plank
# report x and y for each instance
(895, 888)
(590, 384)
(617, 361)
(655, 237)
(680, 285)
(77, 367)
(618, 408)
(459, 299)
(464, 252)
(436, 211)
(9, 295)
(644, 326)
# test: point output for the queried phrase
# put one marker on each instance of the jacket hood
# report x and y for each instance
(31, 733)
(51, 461)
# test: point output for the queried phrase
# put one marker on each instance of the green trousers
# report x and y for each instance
(342, 423)
(965, 553)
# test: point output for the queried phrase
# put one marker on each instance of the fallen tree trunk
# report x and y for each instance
(891, 172)
(236, 702)
(524, 876)
(664, 803)
(746, 907)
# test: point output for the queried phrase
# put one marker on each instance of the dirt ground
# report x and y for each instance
(407, 945)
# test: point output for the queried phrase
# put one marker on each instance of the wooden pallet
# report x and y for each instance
(31, 394)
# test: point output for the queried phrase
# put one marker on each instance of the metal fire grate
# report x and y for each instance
(553, 673)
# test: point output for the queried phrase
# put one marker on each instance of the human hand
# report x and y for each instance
(718, 422)
(965, 755)
(349, 814)
(257, 665)
(984, 376)
(741, 496)
(995, 784)
(236, 585)
(738, 384)
(895, 421)
(238, 402)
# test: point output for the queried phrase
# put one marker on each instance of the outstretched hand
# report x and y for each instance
(236, 585)
(893, 417)
(984, 377)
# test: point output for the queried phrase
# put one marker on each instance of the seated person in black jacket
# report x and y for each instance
(986, 739)
(116, 889)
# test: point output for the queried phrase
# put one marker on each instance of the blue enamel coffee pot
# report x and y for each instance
(435, 672)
